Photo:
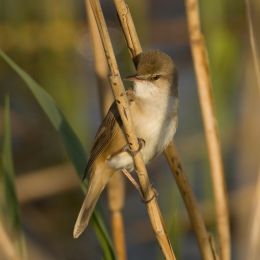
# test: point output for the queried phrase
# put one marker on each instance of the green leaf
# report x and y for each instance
(12, 215)
(72, 144)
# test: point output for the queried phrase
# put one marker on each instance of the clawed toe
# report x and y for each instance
(141, 144)
(137, 186)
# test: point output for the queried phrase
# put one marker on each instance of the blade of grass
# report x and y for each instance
(11, 215)
(72, 143)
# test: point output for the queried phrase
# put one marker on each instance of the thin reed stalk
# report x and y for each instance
(123, 108)
(252, 250)
(205, 242)
(253, 42)
(45, 182)
(200, 59)
(116, 201)
(197, 221)
(116, 188)
(100, 62)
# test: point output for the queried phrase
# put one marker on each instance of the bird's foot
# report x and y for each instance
(130, 93)
(141, 144)
(154, 195)
(137, 186)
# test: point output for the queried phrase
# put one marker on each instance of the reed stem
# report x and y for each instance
(200, 59)
(116, 188)
(123, 108)
(197, 221)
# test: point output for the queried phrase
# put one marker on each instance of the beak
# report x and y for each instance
(132, 78)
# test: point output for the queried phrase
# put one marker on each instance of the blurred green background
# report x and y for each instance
(50, 40)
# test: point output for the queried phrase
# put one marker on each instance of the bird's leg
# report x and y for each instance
(141, 143)
(126, 148)
(132, 180)
(137, 186)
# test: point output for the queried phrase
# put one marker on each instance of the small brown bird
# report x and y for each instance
(154, 108)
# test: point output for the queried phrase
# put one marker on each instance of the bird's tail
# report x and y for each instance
(97, 182)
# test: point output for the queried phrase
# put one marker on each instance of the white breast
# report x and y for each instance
(157, 121)
(154, 117)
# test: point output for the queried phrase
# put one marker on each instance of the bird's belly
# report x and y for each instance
(157, 127)
(157, 133)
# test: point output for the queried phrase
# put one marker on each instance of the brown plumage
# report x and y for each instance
(109, 135)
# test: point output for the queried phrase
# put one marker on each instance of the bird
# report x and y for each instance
(153, 103)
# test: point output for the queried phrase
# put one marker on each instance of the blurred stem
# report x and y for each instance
(182, 182)
(205, 242)
(7, 247)
(100, 63)
(200, 60)
(254, 228)
(253, 43)
(116, 188)
(116, 200)
(39, 184)
(123, 108)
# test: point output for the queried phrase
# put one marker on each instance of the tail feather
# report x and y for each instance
(97, 182)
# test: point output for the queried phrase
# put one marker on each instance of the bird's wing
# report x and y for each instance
(107, 131)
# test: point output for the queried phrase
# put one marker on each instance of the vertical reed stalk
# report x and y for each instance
(116, 201)
(198, 224)
(100, 63)
(123, 108)
(116, 191)
(252, 250)
(253, 43)
(200, 60)
(206, 245)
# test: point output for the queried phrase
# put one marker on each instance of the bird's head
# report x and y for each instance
(156, 73)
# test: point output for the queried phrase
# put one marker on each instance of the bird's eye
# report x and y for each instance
(156, 77)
